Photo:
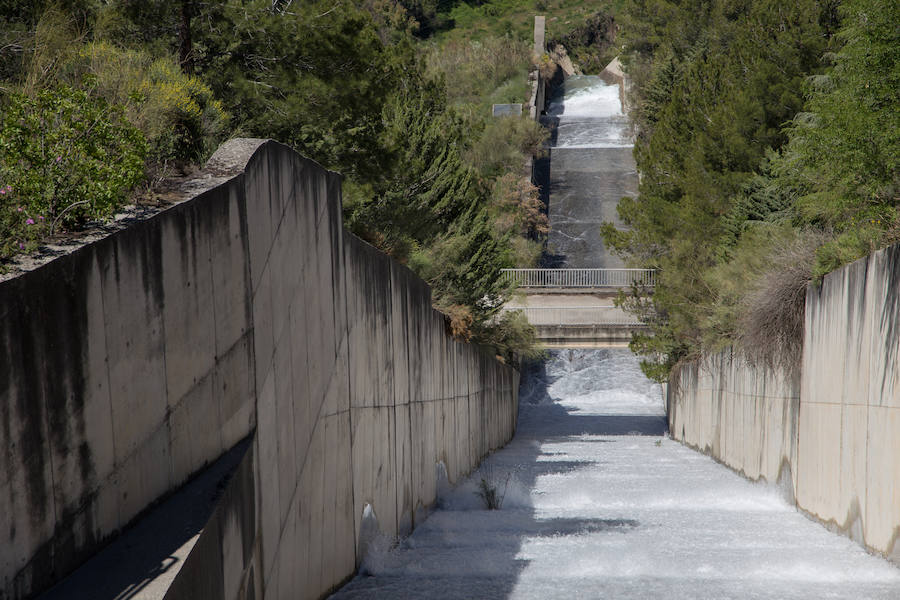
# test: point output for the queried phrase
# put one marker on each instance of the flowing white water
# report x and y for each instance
(593, 515)
(590, 114)
(593, 382)
(586, 96)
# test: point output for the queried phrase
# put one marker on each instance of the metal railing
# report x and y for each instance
(578, 315)
(579, 278)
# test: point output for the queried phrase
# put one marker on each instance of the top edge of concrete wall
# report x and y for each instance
(842, 270)
(232, 156)
(614, 68)
(229, 160)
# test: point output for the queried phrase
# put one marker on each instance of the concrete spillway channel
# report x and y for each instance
(589, 167)
(597, 501)
(600, 504)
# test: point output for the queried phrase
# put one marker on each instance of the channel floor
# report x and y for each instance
(599, 503)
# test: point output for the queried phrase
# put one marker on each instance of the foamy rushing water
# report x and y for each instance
(593, 382)
(590, 115)
(592, 515)
(586, 96)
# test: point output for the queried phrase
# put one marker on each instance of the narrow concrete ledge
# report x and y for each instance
(584, 336)
(142, 562)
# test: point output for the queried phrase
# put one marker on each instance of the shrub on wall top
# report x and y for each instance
(65, 159)
(182, 121)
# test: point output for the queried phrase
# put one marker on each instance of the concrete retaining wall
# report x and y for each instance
(583, 336)
(850, 405)
(129, 364)
(745, 417)
(836, 426)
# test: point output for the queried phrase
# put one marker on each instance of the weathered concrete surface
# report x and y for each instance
(538, 97)
(563, 297)
(129, 364)
(540, 23)
(579, 320)
(584, 336)
(841, 440)
(125, 366)
(742, 415)
(850, 404)
(585, 188)
(614, 69)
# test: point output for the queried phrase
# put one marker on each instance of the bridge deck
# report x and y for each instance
(576, 320)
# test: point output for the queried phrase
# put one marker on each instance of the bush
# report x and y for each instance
(770, 329)
(182, 121)
(511, 334)
(20, 228)
(474, 69)
(519, 207)
(504, 144)
(489, 489)
(65, 158)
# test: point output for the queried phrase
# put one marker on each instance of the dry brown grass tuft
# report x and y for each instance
(459, 320)
(770, 328)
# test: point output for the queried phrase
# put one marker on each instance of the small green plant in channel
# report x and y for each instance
(489, 490)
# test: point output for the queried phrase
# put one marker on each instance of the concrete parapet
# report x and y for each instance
(584, 336)
(538, 96)
(132, 362)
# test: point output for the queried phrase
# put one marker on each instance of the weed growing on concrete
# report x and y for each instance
(489, 490)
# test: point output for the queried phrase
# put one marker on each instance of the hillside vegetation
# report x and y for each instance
(104, 100)
(767, 137)
(768, 147)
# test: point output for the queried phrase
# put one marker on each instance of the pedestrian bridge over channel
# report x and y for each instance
(575, 308)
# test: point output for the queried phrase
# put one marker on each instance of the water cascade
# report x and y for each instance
(590, 169)
(588, 114)
(597, 503)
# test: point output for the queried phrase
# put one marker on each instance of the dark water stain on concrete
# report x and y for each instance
(890, 313)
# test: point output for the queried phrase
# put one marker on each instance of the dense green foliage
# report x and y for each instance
(92, 103)
(179, 115)
(590, 45)
(767, 135)
(484, 19)
(64, 158)
(758, 123)
(316, 76)
(842, 163)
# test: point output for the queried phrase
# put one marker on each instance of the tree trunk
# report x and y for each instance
(185, 50)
